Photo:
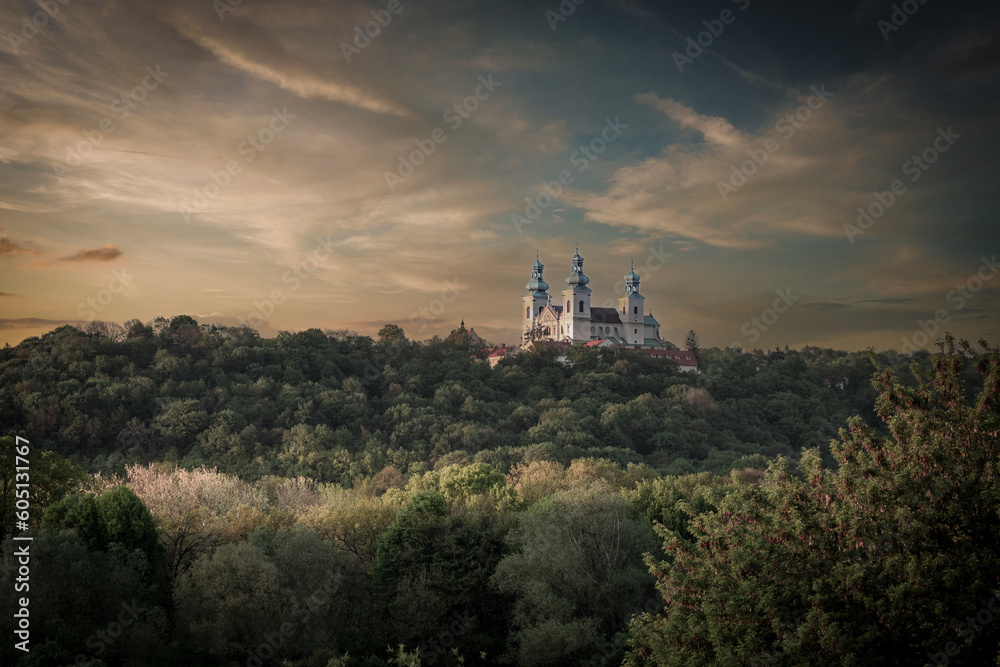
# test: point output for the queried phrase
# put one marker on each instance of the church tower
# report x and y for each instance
(575, 320)
(631, 309)
(536, 298)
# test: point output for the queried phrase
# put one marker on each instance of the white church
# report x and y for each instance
(572, 318)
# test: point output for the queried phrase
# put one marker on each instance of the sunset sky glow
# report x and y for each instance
(263, 161)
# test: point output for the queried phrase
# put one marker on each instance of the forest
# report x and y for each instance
(203, 496)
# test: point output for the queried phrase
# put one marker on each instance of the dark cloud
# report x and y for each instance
(8, 247)
(105, 253)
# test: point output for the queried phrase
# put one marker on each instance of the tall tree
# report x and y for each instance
(691, 341)
(391, 334)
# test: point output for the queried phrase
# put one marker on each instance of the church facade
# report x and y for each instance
(570, 316)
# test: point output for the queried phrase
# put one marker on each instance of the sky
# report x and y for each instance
(781, 173)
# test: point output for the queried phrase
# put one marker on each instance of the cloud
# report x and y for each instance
(295, 75)
(822, 163)
(32, 323)
(105, 253)
(717, 131)
(28, 208)
(889, 301)
(8, 247)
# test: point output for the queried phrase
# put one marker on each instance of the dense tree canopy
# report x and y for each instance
(336, 406)
(323, 499)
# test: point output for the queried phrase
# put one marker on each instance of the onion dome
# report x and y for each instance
(632, 281)
(576, 276)
(537, 284)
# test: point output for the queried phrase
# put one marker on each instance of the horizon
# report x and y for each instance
(781, 175)
(935, 348)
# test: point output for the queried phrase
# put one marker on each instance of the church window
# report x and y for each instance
(581, 305)
(568, 307)
(527, 312)
(635, 310)
(637, 332)
(616, 331)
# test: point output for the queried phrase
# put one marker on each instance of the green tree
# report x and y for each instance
(432, 568)
(128, 522)
(78, 513)
(84, 602)
(391, 334)
(50, 477)
(885, 556)
(691, 341)
(182, 322)
(230, 600)
(459, 482)
(181, 420)
(577, 575)
(136, 329)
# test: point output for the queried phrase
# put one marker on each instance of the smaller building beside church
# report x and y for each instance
(464, 336)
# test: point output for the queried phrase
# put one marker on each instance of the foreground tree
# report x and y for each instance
(432, 573)
(893, 556)
(229, 600)
(86, 605)
(576, 574)
(274, 596)
(99, 586)
(51, 478)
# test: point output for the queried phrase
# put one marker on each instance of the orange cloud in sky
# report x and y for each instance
(105, 253)
(8, 247)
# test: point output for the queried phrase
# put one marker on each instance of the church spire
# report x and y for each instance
(537, 285)
(631, 279)
(576, 275)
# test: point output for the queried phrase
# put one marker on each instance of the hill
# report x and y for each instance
(335, 406)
